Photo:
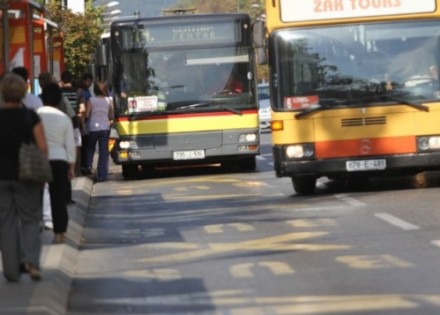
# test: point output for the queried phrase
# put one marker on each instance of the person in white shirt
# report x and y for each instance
(62, 155)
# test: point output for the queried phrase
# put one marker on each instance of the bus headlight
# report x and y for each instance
(124, 145)
(248, 137)
(299, 151)
(428, 143)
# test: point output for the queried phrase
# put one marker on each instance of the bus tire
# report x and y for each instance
(304, 185)
(130, 171)
(248, 164)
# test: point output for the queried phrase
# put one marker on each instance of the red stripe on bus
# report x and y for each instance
(365, 147)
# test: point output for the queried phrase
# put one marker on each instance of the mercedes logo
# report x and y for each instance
(365, 146)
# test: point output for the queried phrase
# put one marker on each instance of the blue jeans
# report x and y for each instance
(101, 137)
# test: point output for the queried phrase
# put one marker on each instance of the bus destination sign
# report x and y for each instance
(191, 34)
(313, 10)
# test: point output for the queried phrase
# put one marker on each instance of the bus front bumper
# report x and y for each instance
(336, 168)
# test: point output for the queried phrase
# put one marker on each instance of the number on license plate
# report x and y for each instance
(365, 165)
(189, 155)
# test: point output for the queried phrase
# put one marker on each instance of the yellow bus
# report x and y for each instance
(354, 87)
(185, 91)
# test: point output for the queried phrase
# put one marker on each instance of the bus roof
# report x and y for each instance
(188, 17)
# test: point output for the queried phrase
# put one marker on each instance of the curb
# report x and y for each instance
(58, 264)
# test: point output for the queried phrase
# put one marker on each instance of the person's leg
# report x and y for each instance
(83, 155)
(57, 190)
(47, 211)
(91, 148)
(9, 235)
(102, 169)
(30, 212)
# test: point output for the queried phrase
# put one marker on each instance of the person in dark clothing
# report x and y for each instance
(20, 202)
(82, 96)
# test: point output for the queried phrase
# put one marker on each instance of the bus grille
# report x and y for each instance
(363, 121)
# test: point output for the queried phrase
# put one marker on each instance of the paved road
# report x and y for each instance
(208, 241)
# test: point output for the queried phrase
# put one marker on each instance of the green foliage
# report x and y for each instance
(81, 34)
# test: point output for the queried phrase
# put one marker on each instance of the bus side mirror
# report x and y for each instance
(259, 40)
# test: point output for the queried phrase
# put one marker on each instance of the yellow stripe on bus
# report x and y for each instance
(189, 124)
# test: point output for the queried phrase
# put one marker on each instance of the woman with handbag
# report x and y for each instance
(58, 129)
(20, 201)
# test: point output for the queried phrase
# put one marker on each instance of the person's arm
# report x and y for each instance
(70, 149)
(88, 108)
(40, 138)
(111, 111)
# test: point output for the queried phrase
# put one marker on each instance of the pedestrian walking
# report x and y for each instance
(43, 79)
(70, 93)
(30, 100)
(20, 202)
(83, 95)
(100, 116)
(59, 134)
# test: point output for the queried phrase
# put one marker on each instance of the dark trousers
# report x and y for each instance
(83, 152)
(20, 218)
(101, 138)
(58, 190)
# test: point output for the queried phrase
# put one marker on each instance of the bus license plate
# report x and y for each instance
(189, 155)
(366, 165)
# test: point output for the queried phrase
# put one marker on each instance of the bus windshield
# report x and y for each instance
(179, 80)
(356, 65)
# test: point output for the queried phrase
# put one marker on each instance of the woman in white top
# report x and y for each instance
(99, 112)
(62, 155)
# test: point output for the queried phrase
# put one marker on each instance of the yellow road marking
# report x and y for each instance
(307, 223)
(237, 302)
(278, 268)
(219, 228)
(373, 262)
(273, 243)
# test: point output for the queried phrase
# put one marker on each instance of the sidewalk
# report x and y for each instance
(58, 263)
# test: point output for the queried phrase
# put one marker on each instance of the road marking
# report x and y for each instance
(260, 158)
(248, 184)
(436, 243)
(350, 200)
(373, 262)
(219, 228)
(278, 268)
(396, 221)
(283, 242)
(239, 302)
(309, 223)
(154, 274)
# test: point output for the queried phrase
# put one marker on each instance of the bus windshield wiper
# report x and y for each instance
(213, 105)
(416, 105)
(314, 108)
(141, 115)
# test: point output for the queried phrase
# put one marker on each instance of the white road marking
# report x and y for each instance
(350, 200)
(436, 243)
(397, 222)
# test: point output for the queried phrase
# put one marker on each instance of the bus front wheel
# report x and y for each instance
(304, 185)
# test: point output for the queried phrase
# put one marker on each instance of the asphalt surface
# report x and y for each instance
(58, 263)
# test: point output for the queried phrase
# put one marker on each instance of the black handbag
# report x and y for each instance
(34, 166)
